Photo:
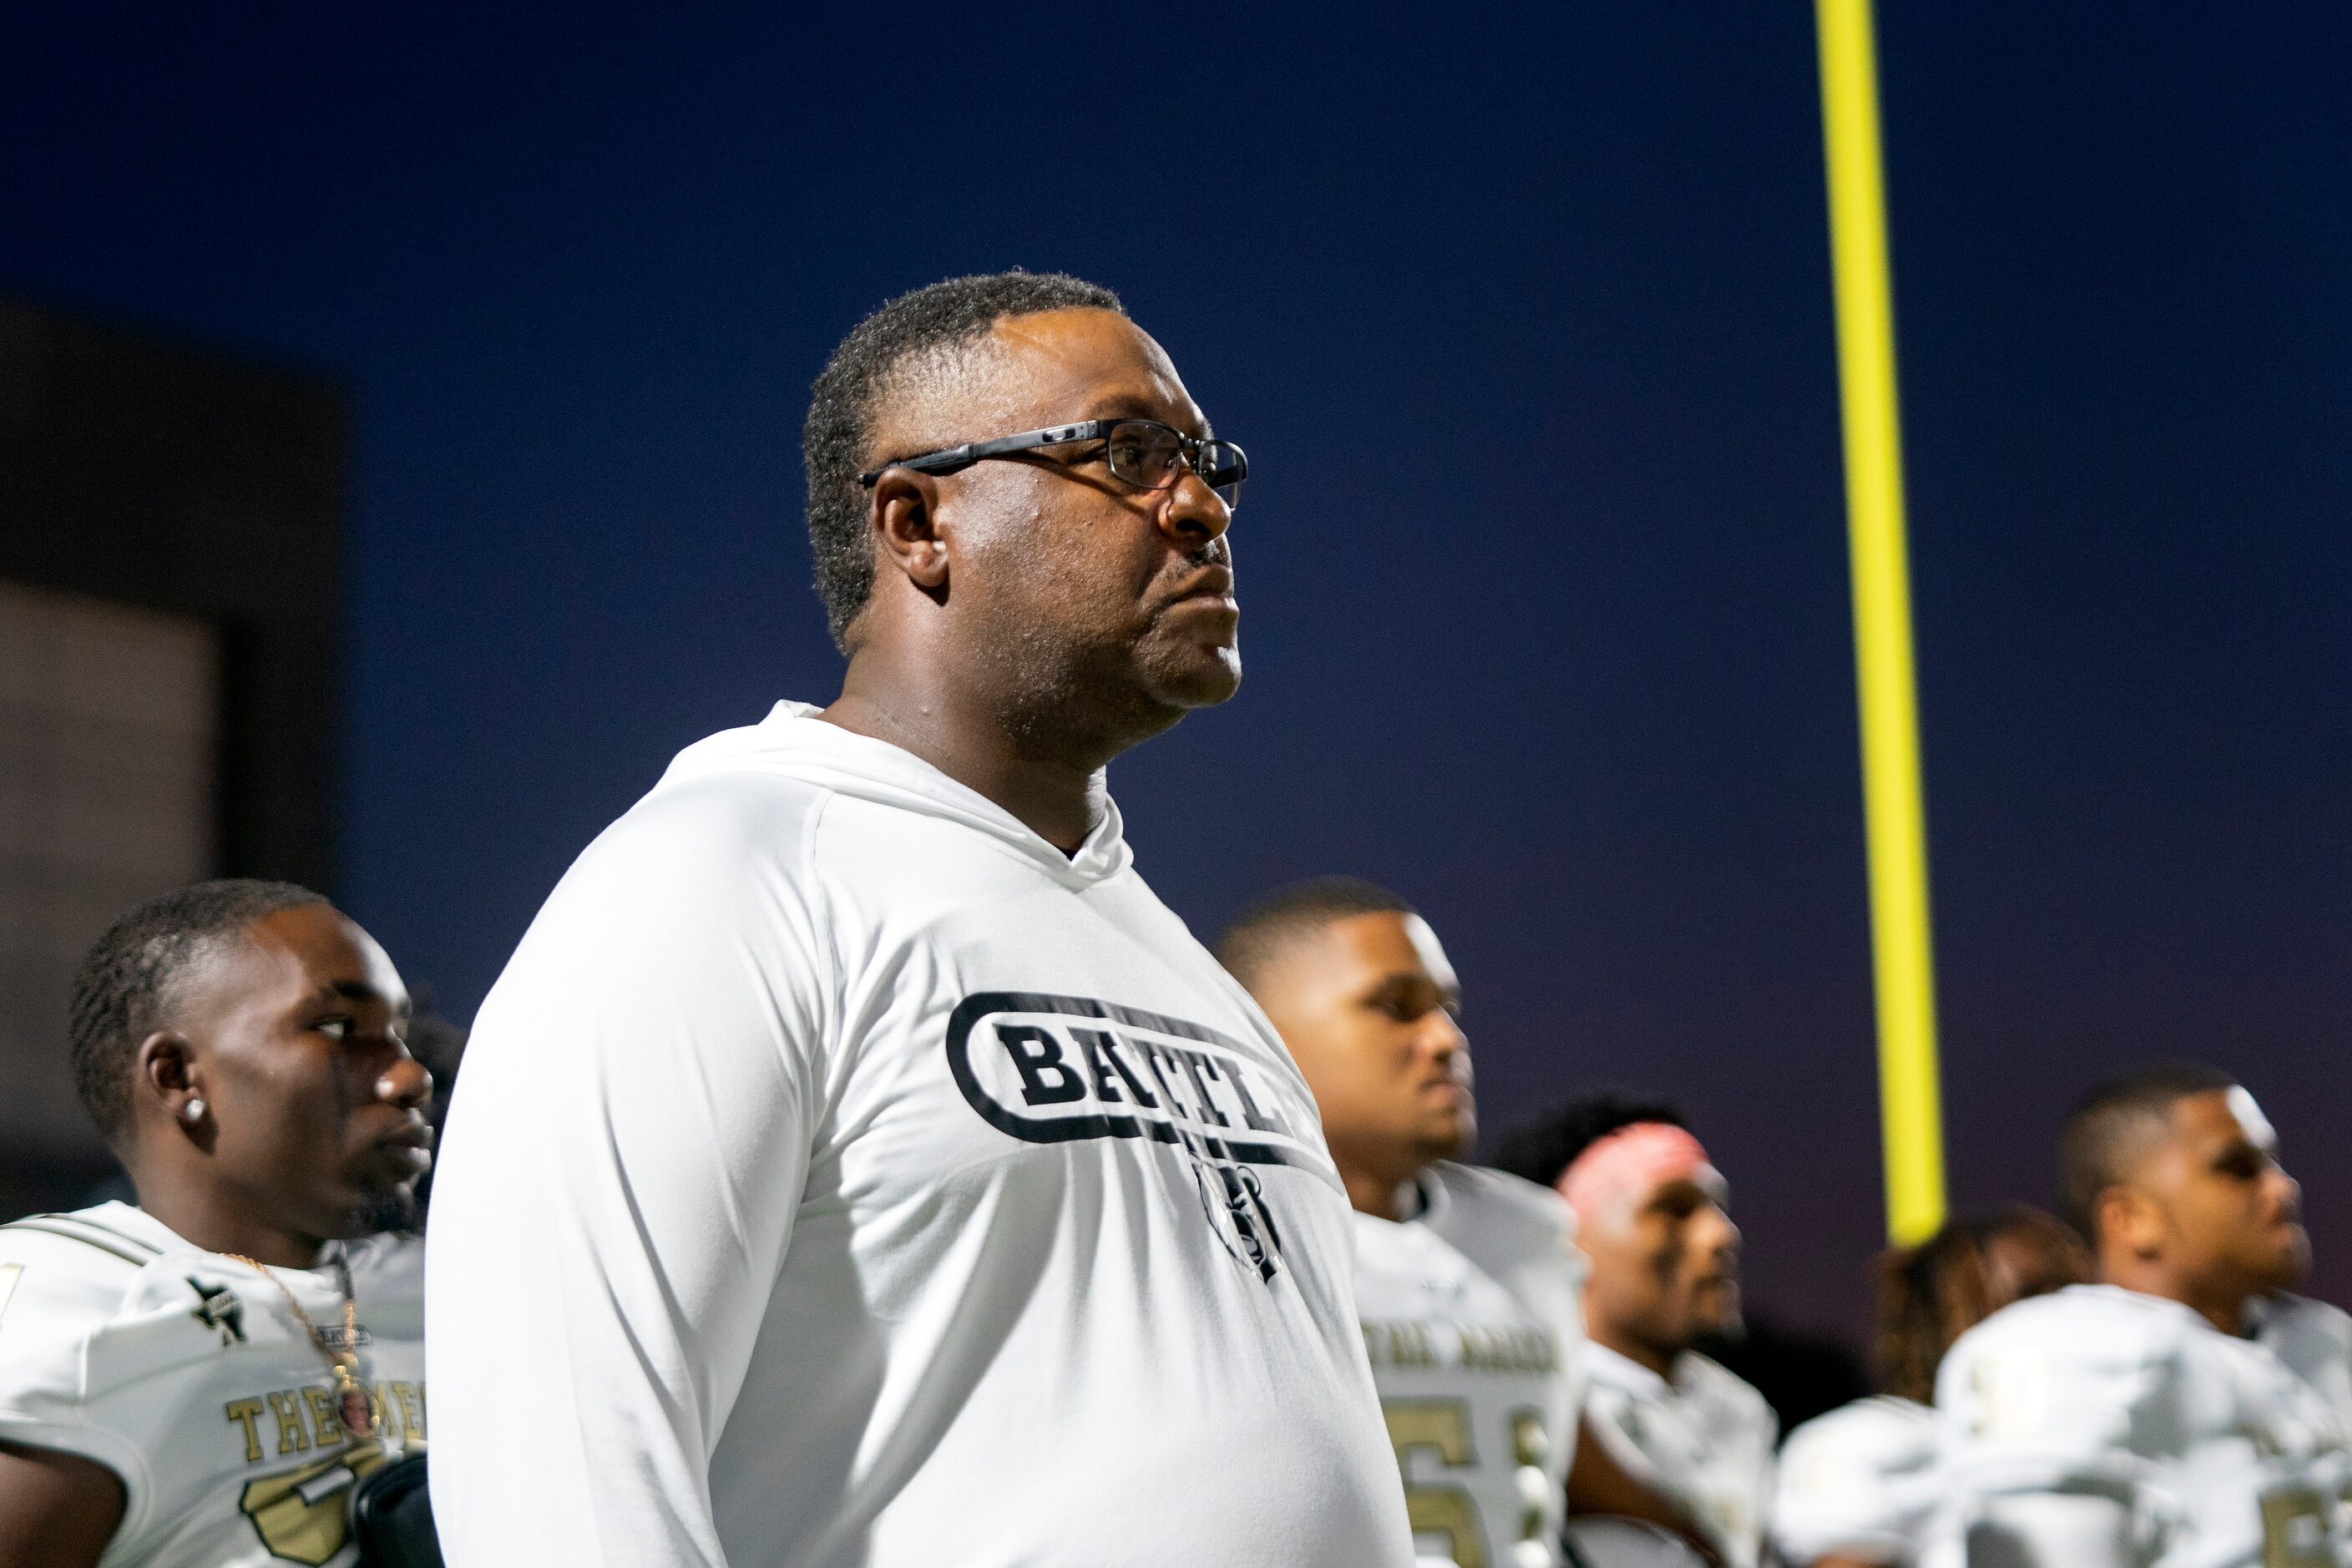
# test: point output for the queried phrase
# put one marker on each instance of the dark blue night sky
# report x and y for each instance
(1523, 314)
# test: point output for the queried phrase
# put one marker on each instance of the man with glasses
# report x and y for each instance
(857, 1163)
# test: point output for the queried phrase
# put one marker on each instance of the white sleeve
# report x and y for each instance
(2064, 1390)
(2052, 1405)
(1857, 1481)
(56, 1295)
(626, 1150)
(1609, 1412)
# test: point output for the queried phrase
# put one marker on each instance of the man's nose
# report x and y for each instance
(1441, 1035)
(1717, 1235)
(2285, 1194)
(1194, 514)
(407, 1083)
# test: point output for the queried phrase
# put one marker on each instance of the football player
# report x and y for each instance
(199, 1380)
(2186, 1409)
(1858, 1486)
(1467, 1281)
(1650, 1213)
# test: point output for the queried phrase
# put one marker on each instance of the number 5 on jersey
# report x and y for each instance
(1439, 1427)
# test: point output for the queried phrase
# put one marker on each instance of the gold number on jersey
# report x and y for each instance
(2294, 1530)
(2012, 1393)
(1441, 1427)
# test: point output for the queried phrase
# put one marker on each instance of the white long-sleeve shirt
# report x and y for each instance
(842, 1175)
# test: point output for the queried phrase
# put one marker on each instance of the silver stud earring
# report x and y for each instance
(193, 1111)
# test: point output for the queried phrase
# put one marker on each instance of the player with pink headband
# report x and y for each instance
(1622, 1169)
(1650, 1214)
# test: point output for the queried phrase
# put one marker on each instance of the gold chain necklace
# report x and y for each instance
(350, 1397)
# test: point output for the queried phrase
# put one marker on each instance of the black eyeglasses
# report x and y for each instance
(1143, 452)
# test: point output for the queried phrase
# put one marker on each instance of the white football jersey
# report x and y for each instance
(2314, 1339)
(843, 1174)
(1860, 1482)
(1472, 1315)
(1705, 1439)
(2216, 1438)
(187, 1375)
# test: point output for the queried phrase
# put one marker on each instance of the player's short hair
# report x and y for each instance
(1275, 924)
(1931, 1294)
(881, 356)
(1542, 1150)
(123, 991)
(2112, 1126)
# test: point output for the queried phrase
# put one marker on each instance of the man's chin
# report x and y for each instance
(1717, 1312)
(1194, 675)
(384, 1209)
(2287, 1264)
(1450, 1139)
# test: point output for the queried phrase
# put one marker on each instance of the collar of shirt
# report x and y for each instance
(1623, 1373)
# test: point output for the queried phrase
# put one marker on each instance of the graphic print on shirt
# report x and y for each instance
(303, 1514)
(1052, 1069)
(218, 1309)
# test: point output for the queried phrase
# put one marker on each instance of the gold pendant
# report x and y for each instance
(352, 1406)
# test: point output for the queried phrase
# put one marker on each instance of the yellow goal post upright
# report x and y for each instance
(1910, 1106)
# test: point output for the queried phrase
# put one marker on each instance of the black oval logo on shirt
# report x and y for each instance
(1048, 1069)
(1052, 1069)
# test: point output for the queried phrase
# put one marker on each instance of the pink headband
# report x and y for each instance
(1626, 1164)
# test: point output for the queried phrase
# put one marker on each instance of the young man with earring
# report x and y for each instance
(200, 1380)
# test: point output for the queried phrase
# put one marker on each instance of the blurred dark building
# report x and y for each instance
(171, 579)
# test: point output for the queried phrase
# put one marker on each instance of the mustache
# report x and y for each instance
(1182, 576)
(1212, 552)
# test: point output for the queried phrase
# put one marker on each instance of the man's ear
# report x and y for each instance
(166, 1075)
(904, 516)
(2129, 1219)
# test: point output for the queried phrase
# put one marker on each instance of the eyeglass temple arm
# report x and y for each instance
(949, 460)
